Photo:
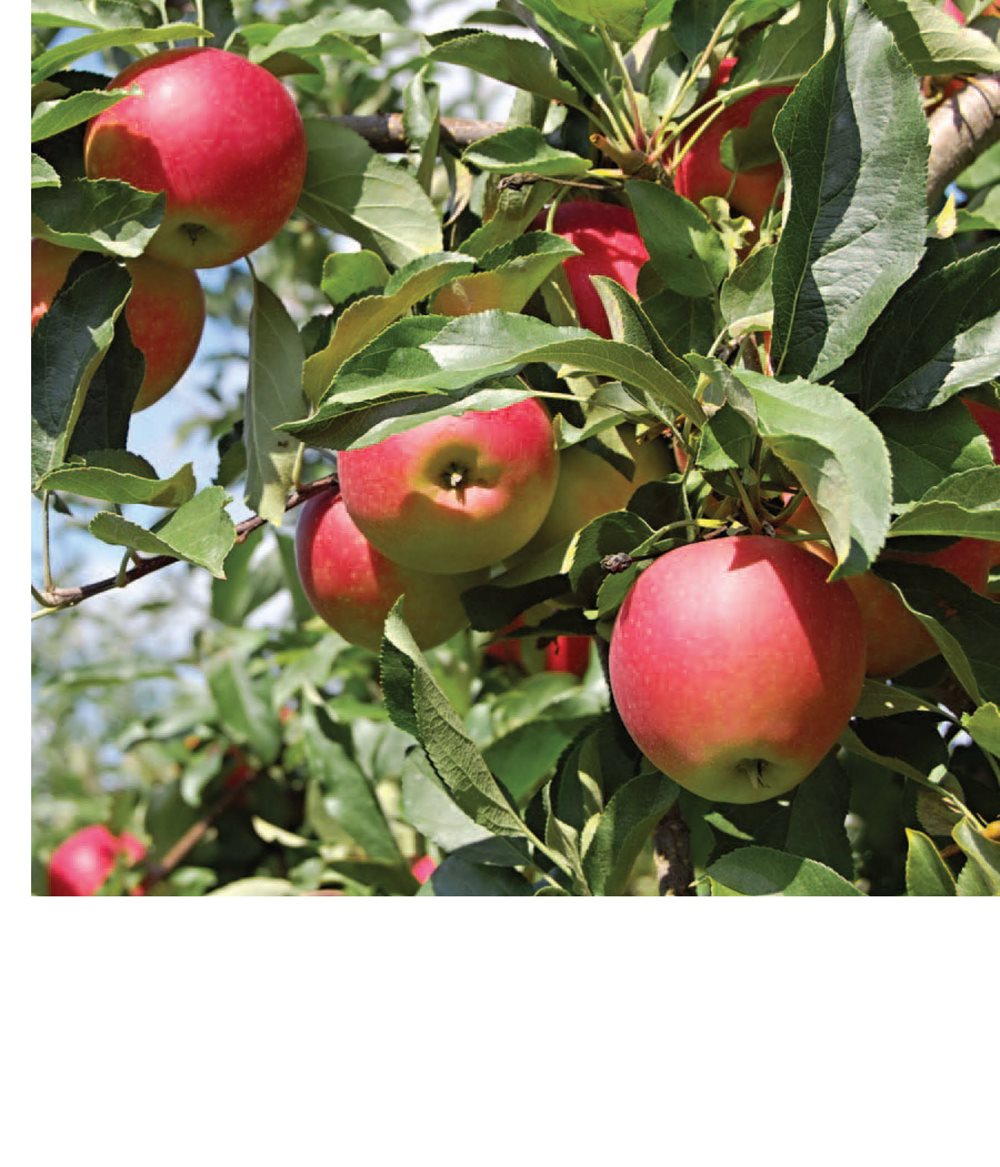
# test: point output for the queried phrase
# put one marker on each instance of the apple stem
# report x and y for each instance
(748, 508)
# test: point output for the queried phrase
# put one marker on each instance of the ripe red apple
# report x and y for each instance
(988, 420)
(423, 868)
(221, 135)
(165, 312)
(735, 666)
(458, 493)
(895, 639)
(609, 238)
(590, 486)
(701, 172)
(568, 654)
(81, 864)
(353, 587)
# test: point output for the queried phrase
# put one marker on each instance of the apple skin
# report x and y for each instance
(165, 312)
(220, 135)
(609, 238)
(701, 173)
(735, 666)
(590, 486)
(458, 493)
(353, 587)
(896, 640)
(988, 420)
(81, 864)
(568, 654)
(422, 869)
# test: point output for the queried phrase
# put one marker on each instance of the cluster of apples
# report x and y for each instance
(223, 139)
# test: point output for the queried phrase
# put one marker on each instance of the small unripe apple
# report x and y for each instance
(895, 639)
(220, 135)
(701, 173)
(81, 864)
(609, 238)
(458, 493)
(590, 486)
(735, 666)
(352, 586)
(165, 312)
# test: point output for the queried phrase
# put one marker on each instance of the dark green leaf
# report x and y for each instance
(59, 56)
(761, 871)
(933, 42)
(816, 826)
(99, 214)
(117, 476)
(243, 710)
(927, 873)
(685, 250)
(927, 446)
(624, 829)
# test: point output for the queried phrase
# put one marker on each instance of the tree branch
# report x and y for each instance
(57, 598)
(961, 128)
(672, 854)
(385, 133)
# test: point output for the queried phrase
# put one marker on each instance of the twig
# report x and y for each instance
(190, 839)
(672, 854)
(385, 133)
(56, 598)
(960, 130)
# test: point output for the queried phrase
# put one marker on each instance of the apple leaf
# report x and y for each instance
(684, 323)
(509, 276)
(816, 823)
(104, 420)
(508, 210)
(693, 22)
(983, 856)
(881, 700)
(983, 725)
(622, 18)
(746, 300)
(623, 829)
(521, 63)
(930, 445)
(356, 192)
(119, 477)
(939, 334)
(274, 395)
(67, 347)
(762, 871)
(347, 274)
(933, 42)
(786, 49)
(962, 623)
(200, 531)
(837, 454)
(523, 150)
(431, 810)
(42, 174)
(338, 784)
(686, 252)
(53, 117)
(256, 885)
(87, 14)
(363, 320)
(458, 877)
(964, 504)
(60, 55)
(328, 34)
(927, 873)
(747, 147)
(853, 137)
(100, 214)
(242, 708)
(247, 585)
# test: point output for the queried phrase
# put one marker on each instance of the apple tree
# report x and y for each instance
(599, 501)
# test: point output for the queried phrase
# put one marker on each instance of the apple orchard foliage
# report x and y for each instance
(841, 347)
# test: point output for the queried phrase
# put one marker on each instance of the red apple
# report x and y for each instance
(458, 493)
(701, 172)
(988, 420)
(568, 654)
(609, 238)
(896, 641)
(423, 868)
(506, 652)
(953, 10)
(735, 666)
(590, 486)
(165, 312)
(81, 864)
(353, 587)
(221, 136)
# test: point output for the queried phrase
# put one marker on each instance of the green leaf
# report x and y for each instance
(347, 274)
(623, 830)
(684, 249)
(53, 117)
(59, 56)
(939, 334)
(523, 149)
(984, 727)
(837, 454)
(97, 14)
(456, 877)
(246, 587)
(200, 531)
(257, 885)
(99, 214)
(510, 276)
(120, 477)
(621, 18)
(521, 63)
(417, 705)
(964, 504)
(933, 42)
(786, 49)
(42, 174)
(746, 300)
(927, 873)
(429, 808)
(727, 441)
(345, 793)
(245, 714)
(983, 853)
(352, 190)
(747, 147)
(274, 396)
(853, 137)
(67, 346)
(816, 824)
(328, 34)
(881, 700)
(930, 445)
(761, 871)
(365, 319)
